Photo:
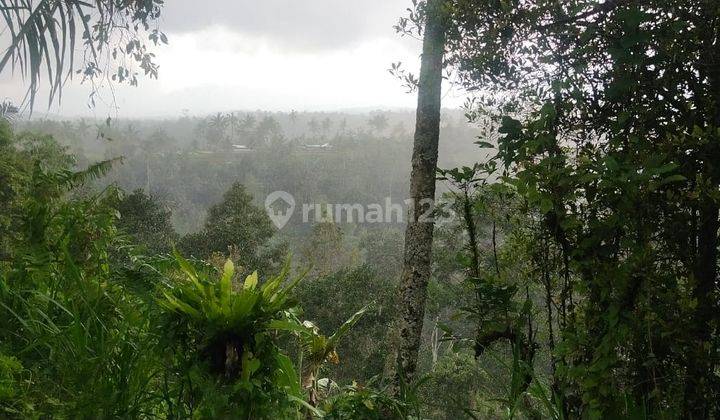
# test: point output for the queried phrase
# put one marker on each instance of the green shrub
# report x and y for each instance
(224, 333)
(363, 402)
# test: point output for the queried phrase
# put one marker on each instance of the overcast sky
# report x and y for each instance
(273, 55)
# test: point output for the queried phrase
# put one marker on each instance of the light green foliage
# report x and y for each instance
(229, 328)
(317, 349)
(91, 329)
(223, 310)
(10, 369)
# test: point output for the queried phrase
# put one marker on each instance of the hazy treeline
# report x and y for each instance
(189, 162)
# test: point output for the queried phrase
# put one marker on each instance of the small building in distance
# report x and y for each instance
(241, 148)
(324, 146)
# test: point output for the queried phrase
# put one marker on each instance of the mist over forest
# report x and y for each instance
(387, 209)
(189, 162)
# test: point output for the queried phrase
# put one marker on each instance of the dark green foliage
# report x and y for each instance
(8, 177)
(574, 271)
(147, 222)
(482, 301)
(606, 118)
(91, 329)
(238, 228)
(63, 315)
(363, 402)
(366, 353)
(11, 389)
(451, 386)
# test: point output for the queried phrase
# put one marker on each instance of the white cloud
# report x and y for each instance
(290, 24)
(241, 64)
(216, 68)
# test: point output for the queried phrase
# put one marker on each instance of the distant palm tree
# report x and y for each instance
(267, 129)
(248, 123)
(378, 122)
(218, 121)
(234, 123)
(216, 129)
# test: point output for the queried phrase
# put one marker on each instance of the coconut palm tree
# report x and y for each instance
(217, 124)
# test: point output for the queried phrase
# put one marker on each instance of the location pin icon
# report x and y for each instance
(279, 206)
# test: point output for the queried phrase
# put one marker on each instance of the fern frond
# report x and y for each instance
(95, 171)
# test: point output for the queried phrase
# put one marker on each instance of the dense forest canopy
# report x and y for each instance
(549, 250)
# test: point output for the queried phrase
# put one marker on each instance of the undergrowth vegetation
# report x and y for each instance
(93, 328)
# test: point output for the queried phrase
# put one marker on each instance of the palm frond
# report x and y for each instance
(43, 36)
(92, 172)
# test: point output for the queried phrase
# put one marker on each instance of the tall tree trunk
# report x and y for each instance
(147, 174)
(419, 231)
(699, 392)
(701, 366)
